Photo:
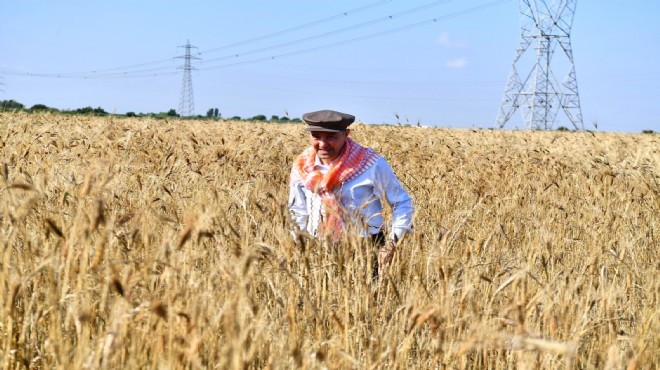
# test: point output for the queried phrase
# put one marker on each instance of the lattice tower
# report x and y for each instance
(545, 25)
(187, 100)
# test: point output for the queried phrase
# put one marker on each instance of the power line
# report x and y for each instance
(300, 27)
(83, 75)
(325, 34)
(154, 71)
(361, 38)
(100, 72)
(364, 37)
(151, 71)
(334, 32)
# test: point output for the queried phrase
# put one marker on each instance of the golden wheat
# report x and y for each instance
(130, 243)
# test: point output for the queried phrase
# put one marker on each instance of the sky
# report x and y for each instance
(433, 63)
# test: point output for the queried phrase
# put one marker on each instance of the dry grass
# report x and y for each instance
(129, 243)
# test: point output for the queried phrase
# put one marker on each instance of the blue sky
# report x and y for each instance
(447, 73)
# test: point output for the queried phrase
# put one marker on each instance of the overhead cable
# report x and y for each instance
(154, 71)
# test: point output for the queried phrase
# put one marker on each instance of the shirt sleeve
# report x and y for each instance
(388, 184)
(298, 205)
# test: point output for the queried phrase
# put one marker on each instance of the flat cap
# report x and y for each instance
(327, 120)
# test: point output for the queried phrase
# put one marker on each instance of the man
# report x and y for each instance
(337, 185)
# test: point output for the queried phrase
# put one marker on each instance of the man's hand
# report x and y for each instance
(386, 254)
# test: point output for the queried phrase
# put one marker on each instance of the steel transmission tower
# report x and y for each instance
(545, 25)
(187, 100)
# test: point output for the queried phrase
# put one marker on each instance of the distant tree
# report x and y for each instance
(100, 112)
(296, 120)
(11, 105)
(213, 113)
(284, 119)
(274, 118)
(259, 117)
(39, 107)
(562, 128)
(235, 118)
(172, 113)
(85, 110)
(130, 114)
(647, 131)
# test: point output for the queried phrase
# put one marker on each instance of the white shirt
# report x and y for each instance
(361, 202)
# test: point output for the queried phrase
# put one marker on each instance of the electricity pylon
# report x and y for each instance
(187, 100)
(545, 25)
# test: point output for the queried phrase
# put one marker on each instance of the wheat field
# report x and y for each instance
(165, 244)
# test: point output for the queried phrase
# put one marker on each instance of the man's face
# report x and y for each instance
(328, 144)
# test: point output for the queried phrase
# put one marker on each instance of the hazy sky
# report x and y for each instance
(374, 59)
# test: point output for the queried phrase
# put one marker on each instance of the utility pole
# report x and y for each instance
(187, 100)
(545, 25)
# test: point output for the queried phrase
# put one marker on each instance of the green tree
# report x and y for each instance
(39, 107)
(213, 113)
(259, 117)
(11, 105)
(85, 110)
(100, 112)
(172, 113)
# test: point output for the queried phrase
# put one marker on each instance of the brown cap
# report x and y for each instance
(327, 120)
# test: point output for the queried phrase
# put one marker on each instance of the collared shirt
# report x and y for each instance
(361, 201)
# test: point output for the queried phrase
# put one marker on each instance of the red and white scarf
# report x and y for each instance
(352, 162)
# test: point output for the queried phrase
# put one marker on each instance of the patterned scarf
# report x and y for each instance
(352, 162)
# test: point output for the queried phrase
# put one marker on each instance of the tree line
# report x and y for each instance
(212, 113)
